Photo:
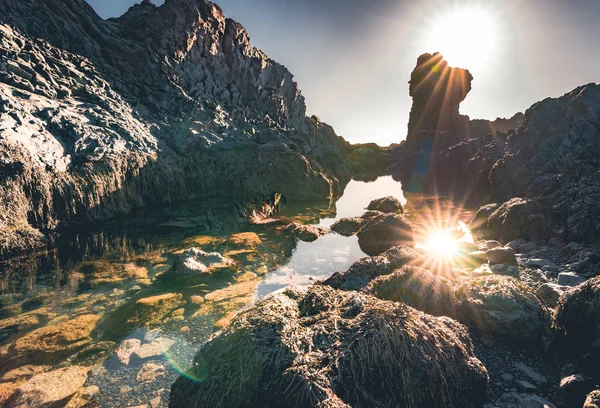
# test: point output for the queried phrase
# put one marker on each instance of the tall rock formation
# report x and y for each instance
(100, 117)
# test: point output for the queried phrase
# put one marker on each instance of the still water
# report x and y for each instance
(114, 282)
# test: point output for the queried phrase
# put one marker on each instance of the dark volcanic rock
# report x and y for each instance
(162, 104)
(327, 348)
(384, 232)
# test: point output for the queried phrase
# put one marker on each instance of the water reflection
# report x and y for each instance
(120, 277)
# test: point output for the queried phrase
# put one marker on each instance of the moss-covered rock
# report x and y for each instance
(142, 312)
(50, 344)
(418, 288)
(365, 270)
(327, 348)
(502, 309)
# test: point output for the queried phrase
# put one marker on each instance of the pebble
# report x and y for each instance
(507, 377)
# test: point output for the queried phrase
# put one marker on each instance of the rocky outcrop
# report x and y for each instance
(503, 310)
(98, 118)
(327, 348)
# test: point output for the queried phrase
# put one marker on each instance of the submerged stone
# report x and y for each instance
(195, 260)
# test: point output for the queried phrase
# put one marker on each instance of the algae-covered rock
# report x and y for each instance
(577, 318)
(348, 226)
(307, 233)
(418, 288)
(503, 309)
(139, 313)
(328, 348)
(51, 343)
(384, 232)
(365, 270)
(50, 389)
(388, 205)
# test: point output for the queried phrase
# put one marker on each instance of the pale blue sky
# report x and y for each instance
(353, 58)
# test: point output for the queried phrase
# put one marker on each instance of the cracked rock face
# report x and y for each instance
(100, 117)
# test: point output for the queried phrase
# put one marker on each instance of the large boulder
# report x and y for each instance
(384, 232)
(418, 288)
(348, 226)
(388, 205)
(592, 400)
(577, 318)
(521, 218)
(503, 310)
(326, 348)
(365, 270)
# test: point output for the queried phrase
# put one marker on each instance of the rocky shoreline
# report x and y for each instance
(513, 308)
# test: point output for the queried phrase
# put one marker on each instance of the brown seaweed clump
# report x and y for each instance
(328, 348)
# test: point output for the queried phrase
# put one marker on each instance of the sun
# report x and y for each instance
(442, 243)
(467, 37)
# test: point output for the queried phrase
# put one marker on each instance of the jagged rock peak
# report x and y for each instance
(437, 91)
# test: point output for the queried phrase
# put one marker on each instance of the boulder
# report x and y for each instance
(550, 293)
(384, 232)
(418, 288)
(50, 389)
(503, 310)
(327, 348)
(479, 223)
(574, 389)
(126, 349)
(348, 226)
(521, 218)
(592, 400)
(195, 260)
(365, 270)
(307, 233)
(570, 279)
(577, 319)
(388, 205)
(501, 255)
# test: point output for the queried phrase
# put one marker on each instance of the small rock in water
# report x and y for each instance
(154, 349)
(307, 233)
(50, 389)
(195, 260)
(570, 279)
(126, 349)
(150, 372)
(388, 205)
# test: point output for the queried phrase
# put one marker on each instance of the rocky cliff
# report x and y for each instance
(100, 117)
(548, 157)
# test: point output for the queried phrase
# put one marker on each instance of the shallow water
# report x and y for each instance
(119, 274)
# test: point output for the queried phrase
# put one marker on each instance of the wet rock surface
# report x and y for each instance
(383, 232)
(307, 233)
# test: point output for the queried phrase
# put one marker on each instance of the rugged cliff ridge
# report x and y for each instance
(164, 103)
(542, 165)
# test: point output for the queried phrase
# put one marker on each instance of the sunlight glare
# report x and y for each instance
(466, 37)
(442, 243)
